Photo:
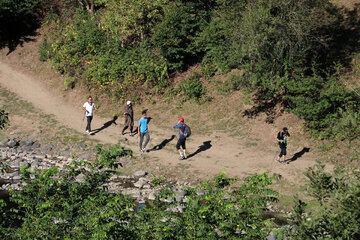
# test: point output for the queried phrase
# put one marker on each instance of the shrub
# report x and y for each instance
(44, 50)
(338, 214)
(192, 87)
(4, 119)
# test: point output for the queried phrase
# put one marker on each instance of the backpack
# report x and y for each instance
(187, 131)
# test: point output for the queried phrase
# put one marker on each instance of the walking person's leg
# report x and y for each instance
(88, 126)
(178, 145)
(184, 148)
(146, 141)
(284, 154)
(131, 124)
(141, 141)
(126, 125)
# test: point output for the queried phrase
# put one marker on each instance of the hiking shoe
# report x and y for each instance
(87, 131)
(144, 149)
(181, 158)
(185, 157)
(141, 151)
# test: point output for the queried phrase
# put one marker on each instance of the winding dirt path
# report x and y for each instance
(211, 153)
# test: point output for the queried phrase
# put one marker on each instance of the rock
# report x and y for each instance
(140, 183)
(81, 145)
(47, 148)
(14, 165)
(180, 196)
(271, 237)
(139, 174)
(36, 145)
(12, 143)
(152, 196)
(80, 178)
(200, 192)
(24, 164)
(26, 143)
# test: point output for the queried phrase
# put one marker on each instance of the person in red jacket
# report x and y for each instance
(182, 139)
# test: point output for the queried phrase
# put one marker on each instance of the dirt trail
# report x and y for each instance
(211, 153)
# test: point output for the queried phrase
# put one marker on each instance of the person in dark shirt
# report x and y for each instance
(182, 139)
(129, 118)
(282, 141)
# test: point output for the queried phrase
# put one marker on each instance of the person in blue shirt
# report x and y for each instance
(182, 139)
(143, 131)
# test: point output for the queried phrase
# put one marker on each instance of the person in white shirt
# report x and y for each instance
(89, 108)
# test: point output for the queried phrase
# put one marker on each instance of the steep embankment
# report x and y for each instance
(210, 153)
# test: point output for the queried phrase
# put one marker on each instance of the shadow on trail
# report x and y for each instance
(298, 155)
(206, 145)
(162, 144)
(106, 125)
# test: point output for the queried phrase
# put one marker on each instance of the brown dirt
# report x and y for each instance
(239, 145)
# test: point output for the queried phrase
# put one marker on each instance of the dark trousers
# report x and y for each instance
(282, 152)
(88, 126)
(142, 135)
(181, 143)
(129, 122)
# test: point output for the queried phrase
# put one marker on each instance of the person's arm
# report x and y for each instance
(83, 107)
(139, 127)
(178, 125)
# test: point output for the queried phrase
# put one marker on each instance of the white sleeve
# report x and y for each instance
(84, 105)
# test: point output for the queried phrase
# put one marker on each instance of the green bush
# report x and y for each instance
(44, 50)
(192, 87)
(337, 217)
(53, 205)
(4, 119)
(111, 155)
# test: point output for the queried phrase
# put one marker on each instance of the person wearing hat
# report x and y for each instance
(129, 118)
(282, 141)
(182, 139)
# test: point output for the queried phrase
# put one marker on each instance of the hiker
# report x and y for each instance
(282, 141)
(182, 139)
(89, 108)
(129, 118)
(143, 131)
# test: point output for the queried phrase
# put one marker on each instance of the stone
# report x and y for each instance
(81, 145)
(24, 164)
(80, 178)
(180, 196)
(152, 196)
(271, 237)
(47, 148)
(139, 174)
(26, 143)
(12, 143)
(200, 192)
(140, 183)
(36, 145)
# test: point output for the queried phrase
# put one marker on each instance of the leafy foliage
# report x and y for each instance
(73, 204)
(282, 49)
(338, 216)
(192, 87)
(110, 156)
(4, 119)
